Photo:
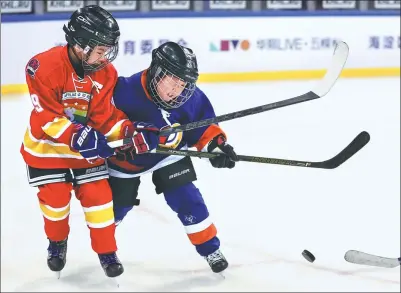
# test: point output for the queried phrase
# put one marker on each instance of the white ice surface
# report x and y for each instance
(266, 215)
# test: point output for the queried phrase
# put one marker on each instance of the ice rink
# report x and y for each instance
(266, 215)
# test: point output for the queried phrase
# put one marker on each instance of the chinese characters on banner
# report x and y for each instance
(141, 47)
(384, 42)
(296, 43)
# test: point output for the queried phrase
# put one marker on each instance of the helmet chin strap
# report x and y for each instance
(76, 61)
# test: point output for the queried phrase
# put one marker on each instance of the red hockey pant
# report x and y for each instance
(96, 201)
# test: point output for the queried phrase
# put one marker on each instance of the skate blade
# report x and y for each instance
(116, 282)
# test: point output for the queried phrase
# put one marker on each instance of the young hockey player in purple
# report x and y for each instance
(166, 95)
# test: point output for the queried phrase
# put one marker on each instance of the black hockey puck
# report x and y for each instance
(308, 256)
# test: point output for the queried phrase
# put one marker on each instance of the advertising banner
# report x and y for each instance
(218, 4)
(332, 4)
(284, 4)
(15, 6)
(63, 6)
(226, 45)
(382, 4)
(170, 5)
(117, 5)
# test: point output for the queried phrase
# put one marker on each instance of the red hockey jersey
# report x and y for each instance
(59, 98)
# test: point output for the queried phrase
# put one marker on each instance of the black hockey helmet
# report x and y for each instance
(93, 26)
(172, 75)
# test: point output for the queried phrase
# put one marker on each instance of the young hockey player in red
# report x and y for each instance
(65, 145)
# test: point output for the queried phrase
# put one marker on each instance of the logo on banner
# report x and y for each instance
(295, 4)
(387, 4)
(15, 6)
(216, 4)
(230, 45)
(327, 4)
(58, 6)
(118, 5)
(170, 5)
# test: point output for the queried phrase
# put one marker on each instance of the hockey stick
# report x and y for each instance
(362, 258)
(323, 87)
(358, 143)
(340, 56)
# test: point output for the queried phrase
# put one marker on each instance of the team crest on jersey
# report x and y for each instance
(76, 106)
(32, 67)
(173, 140)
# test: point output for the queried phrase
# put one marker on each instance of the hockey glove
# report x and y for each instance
(227, 158)
(145, 138)
(91, 144)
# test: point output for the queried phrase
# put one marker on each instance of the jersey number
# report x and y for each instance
(35, 102)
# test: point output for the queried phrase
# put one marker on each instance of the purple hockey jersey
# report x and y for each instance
(131, 97)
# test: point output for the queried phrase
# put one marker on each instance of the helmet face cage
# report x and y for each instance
(109, 56)
(163, 78)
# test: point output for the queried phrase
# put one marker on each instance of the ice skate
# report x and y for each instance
(57, 256)
(111, 264)
(217, 261)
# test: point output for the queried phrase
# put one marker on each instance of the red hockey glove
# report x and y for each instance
(145, 138)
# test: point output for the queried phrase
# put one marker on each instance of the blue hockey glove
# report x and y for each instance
(91, 144)
(227, 158)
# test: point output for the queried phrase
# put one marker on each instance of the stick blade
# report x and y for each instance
(362, 258)
(355, 146)
(334, 70)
